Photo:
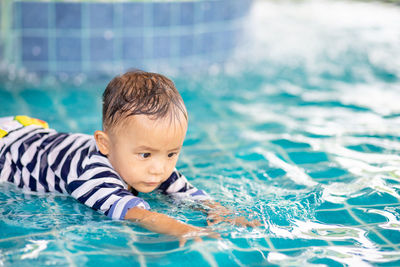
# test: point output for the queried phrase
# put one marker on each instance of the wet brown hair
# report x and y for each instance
(140, 93)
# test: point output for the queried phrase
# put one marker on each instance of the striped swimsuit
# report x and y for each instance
(39, 159)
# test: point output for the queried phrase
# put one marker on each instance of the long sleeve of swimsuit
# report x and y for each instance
(178, 186)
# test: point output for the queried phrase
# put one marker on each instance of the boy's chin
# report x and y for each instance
(146, 189)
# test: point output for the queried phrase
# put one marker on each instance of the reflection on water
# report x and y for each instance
(344, 255)
(312, 230)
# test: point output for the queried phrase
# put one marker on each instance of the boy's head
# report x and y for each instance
(140, 93)
(144, 125)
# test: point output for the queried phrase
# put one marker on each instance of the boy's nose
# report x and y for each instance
(157, 168)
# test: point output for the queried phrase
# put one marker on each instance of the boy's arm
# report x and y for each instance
(178, 186)
(164, 224)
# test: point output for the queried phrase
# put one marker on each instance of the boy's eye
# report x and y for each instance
(144, 155)
(170, 155)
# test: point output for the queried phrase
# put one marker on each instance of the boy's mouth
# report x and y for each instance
(151, 184)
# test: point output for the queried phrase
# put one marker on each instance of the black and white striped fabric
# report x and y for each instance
(43, 160)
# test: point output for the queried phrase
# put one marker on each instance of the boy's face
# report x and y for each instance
(144, 151)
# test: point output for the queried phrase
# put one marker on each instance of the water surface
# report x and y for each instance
(300, 130)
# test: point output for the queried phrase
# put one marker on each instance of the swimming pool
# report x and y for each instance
(300, 129)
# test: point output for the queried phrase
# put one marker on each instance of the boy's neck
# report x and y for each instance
(132, 190)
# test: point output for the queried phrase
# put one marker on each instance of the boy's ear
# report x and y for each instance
(102, 141)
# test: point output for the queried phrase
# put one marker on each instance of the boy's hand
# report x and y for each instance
(193, 232)
(163, 224)
(214, 218)
(219, 213)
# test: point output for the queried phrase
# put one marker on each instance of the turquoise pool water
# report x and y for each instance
(300, 129)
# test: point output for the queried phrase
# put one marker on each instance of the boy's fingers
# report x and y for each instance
(215, 235)
(214, 220)
(241, 221)
(210, 223)
(182, 242)
(198, 239)
(256, 223)
(253, 223)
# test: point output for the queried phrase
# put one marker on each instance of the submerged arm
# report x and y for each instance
(178, 187)
(217, 213)
(163, 224)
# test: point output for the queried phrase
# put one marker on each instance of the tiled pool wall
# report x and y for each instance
(69, 38)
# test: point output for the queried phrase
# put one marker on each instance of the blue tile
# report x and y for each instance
(132, 48)
(227, 259)
(40, 68)
(324, 262)
(187, 13)
(34, 49)
(375, 238)
(207, 42)
(132, 15)
(101, 15)
(202, 8)
(16, 9)
(392, 235)
(1, 49)
(229, 10)
(336, 217)
(7, 104)
(285, 143)
(69, 69)
(137, 64)
(367, 148)
(235, 9)
(273, 173)
(109, 260)
(68, 49)
(186, 44)
(330, 205)
(68, 15)
(162, 14)
(369, 217)
(328, 173)
(370, 196)
(223, 44)
(40, 102)
(161, 46)
(282, 243)
(101, 49)
(34, 15)
(250, 156)
(242, 8)
(212, 11)
(388, 264)
(175, 257)
(308, 157)
(8, 230)
(77, 101)
(225, 9)
(257, 258)
(267, 127)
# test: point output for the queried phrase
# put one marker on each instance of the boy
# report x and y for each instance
(144, 125)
